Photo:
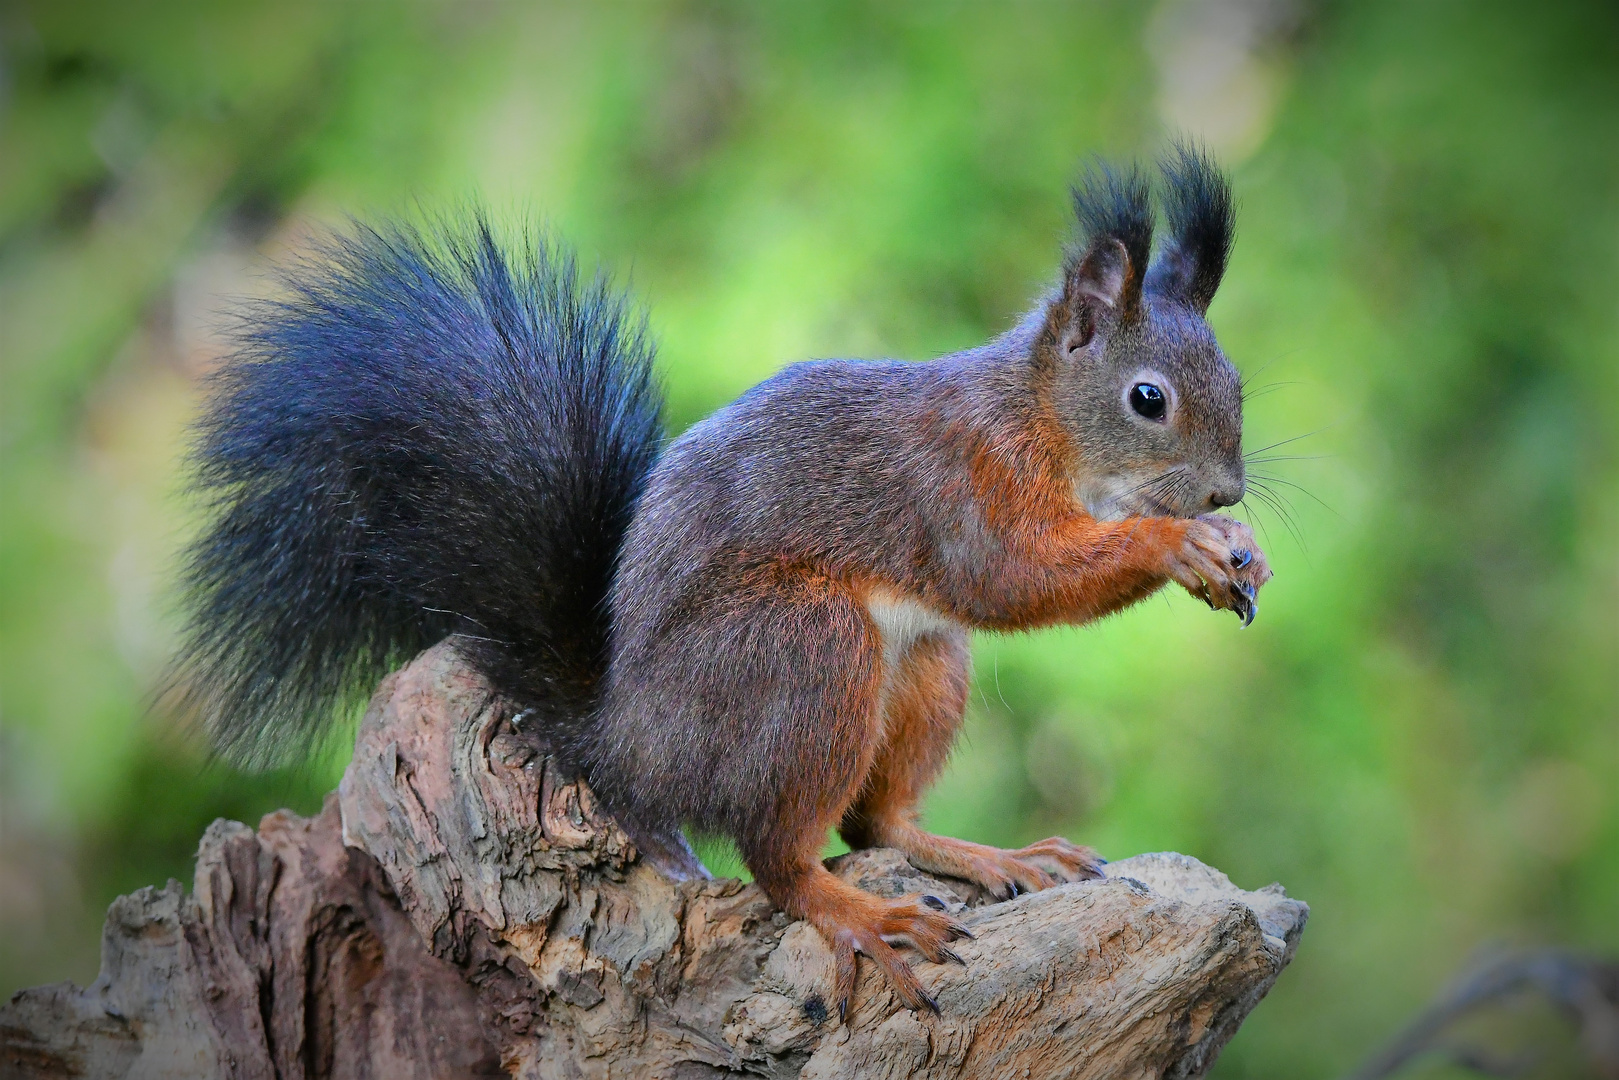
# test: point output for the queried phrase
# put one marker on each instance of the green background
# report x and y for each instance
(1420, 734)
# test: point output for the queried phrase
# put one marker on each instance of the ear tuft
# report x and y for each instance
(1113, 207)
(1202, 223)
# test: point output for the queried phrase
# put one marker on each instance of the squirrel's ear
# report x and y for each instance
(1094, 281)
(1202, 221)
(1104, 273)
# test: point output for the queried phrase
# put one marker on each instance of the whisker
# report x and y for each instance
(1279, 506)
(1269, 388)
(1132, 533)
(1283, 442)
(1164, 480)
(1263, 483)
(1178, 483)
(1184, 488)
(1257, 372)
(1155, 480)
(1286, 457)
(1297, 487)
(1291, 531)
(1288, 523)
(1249, 512)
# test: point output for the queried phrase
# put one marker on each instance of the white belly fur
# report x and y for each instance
(901, 622)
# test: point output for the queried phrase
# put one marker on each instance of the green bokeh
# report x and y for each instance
(1420, 735)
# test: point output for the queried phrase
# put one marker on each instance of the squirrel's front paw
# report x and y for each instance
(1220, 564)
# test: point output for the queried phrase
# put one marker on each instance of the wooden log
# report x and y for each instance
(462, 908)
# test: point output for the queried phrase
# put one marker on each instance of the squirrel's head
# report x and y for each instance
(1150, 404)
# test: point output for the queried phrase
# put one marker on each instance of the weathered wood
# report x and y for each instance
(462, 908)
(290, 959)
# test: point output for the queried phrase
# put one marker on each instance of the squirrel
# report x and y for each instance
(760, 629)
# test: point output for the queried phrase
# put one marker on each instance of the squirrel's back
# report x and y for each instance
(859, 465)
(429, 433)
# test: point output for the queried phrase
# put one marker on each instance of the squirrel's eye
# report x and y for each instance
(1148, 400)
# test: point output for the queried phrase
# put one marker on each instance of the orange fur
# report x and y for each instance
(923, 707)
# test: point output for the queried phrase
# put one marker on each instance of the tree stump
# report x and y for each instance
(461, 908)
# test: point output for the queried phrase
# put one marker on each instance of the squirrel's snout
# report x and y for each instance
(1228, 494)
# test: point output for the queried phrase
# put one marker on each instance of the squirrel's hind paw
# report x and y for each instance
(875, 933)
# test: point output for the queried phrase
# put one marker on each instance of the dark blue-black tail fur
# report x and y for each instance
(432, 433)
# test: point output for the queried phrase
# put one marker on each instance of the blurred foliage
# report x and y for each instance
(1420, 736)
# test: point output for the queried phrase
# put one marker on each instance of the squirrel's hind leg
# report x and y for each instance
(924, 701)
(795, 706)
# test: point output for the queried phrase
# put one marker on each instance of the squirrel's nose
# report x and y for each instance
(1228, 494)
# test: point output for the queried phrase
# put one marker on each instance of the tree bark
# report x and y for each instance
(461, 908)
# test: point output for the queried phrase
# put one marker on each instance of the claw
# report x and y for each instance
(927, 999)
(934, 902)
(1241, 558)
(1244, 603)
(952, 955)
(843, 978)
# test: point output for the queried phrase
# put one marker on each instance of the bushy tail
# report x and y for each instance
(430, 434)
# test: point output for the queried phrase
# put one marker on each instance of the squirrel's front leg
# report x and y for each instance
(1084, 569)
